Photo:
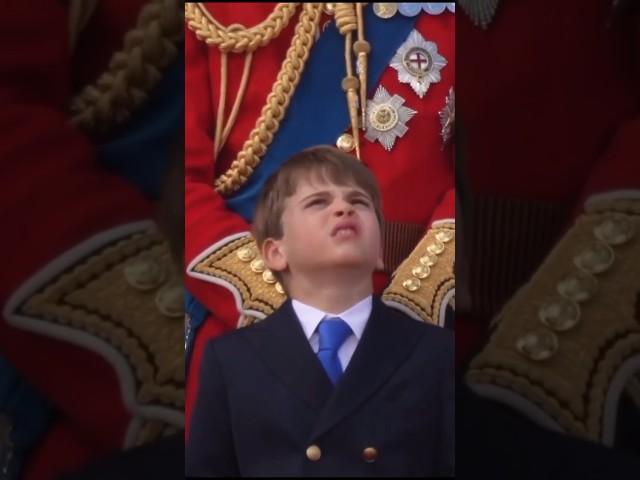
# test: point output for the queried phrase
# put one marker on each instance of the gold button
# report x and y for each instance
(411, 284)
(170, 301)
(615, 230)
(246, 254)
(445, 236)
(560, 314)
(436, 248)
(429, 260)
(345, 142)
(579, 286)
(538, 345)
(279, 288)
(596, 258)
(421, 271)
(314, 453)
(257, 265)
(144, 274)
(370, 454)
(268, 277)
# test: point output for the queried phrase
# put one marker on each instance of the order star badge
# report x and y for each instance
(387, 118)
(418, 63)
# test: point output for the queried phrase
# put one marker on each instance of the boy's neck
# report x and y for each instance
(329, 294)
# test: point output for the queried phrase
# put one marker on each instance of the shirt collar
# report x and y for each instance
(356, 316)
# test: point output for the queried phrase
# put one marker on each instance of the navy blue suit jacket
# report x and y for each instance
(264, 399)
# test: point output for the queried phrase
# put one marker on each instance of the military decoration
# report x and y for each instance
(388, 10)
(387, 118)
(418, 63)
(385, 10)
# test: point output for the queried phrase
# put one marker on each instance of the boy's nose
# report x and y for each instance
(343, 208)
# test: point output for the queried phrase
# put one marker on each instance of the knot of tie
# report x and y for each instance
(332, 332)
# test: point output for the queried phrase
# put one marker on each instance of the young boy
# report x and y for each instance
(334, 382)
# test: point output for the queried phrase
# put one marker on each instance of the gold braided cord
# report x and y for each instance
(236, 104)
(362, 48)
(236, 38)
(221, 103)
(346, 19)
(221, 134)
(277, 102)
(133, 71)
(347, 23)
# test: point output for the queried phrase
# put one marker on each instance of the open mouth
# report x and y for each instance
(345, 230)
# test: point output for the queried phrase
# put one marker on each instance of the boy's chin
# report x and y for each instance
(351, 262)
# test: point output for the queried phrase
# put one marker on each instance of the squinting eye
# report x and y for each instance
(317, 201)
(361, 202)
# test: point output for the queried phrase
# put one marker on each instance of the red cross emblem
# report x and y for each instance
(418, 59)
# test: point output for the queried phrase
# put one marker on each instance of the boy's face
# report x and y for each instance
(326, 227)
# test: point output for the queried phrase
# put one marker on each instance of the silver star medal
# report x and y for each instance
(387, 118)
(418, 63)
(448, 117)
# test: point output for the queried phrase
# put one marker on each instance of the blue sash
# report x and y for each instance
(140, 149)
(318, 112)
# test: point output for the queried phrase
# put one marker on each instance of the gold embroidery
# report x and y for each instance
(423, 280)
(258, 289)
(94, 297)
(595, 327)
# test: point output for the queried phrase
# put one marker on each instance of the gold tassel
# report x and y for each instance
(350, 86)
(362, 49)
(346, 21)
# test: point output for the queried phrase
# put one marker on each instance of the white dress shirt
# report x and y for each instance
(356, 317)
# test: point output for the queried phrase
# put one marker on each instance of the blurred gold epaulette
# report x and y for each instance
(237, 265)
(563, 347)
(424, 282)
(119, 295)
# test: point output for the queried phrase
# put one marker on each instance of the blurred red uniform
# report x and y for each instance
(62, 210)
(550, 105)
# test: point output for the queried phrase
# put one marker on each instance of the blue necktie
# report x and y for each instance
(333, 332)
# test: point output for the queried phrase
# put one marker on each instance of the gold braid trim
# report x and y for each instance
(277, 102)
(424, 280)
(133, 71)
(235, 38)
(559, 342)
(239, 265)
(97, 297)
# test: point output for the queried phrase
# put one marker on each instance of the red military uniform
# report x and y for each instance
(415, 174)
(62, 212)
(553, 128)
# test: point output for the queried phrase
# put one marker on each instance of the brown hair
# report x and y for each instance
(324, 162)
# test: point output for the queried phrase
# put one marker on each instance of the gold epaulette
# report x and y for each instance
(237, 265)
(562, 348)
(118, 295)
(423, 284)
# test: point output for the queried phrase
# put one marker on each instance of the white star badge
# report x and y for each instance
(418, 63)
(387, 118)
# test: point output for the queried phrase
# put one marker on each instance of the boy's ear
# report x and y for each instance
(274, 255)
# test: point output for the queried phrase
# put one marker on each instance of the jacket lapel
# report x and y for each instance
(384, 346)
(282, 344)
